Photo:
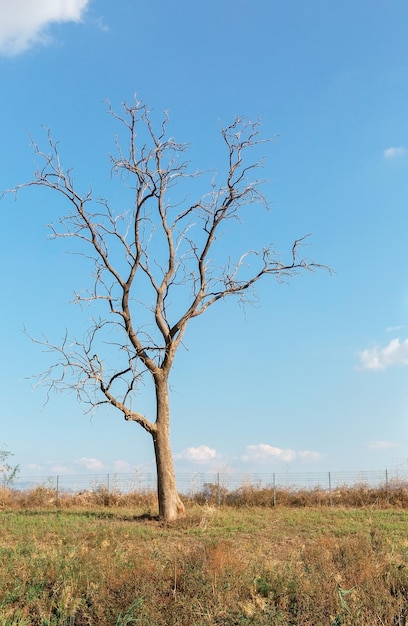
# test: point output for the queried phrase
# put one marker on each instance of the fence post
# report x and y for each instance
(274, 490)
(218, 489)
(57, 502)
(108, 493)
(330, 491)
(387, 495)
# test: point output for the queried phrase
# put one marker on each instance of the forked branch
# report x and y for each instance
(157, 262)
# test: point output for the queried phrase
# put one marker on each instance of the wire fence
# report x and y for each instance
(192, 484)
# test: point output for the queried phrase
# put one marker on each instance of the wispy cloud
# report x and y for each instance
(123, 466)
(264, 451)
(34, 467)
(24, 23)
(309, 455)
(89, 463)
(394, 152)
(57, 468)
(200, 454)
(382, 445)
(395, 353)
(394, 329)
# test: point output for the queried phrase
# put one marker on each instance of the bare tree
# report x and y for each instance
(8, 473)
(157, 265)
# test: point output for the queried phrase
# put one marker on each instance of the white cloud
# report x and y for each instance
(199, 454)
(309, 455)
(395, 353)
(122, 466)
(24, 23)
(89, 463)
(60, 469)
(394, 153)
(382, 445)
(33, 467)
(264, 451)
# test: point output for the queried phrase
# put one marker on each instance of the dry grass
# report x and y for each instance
(48, 497)
(309, 566)
(395, 494)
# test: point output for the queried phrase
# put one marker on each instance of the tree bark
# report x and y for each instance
(158, 244)
(170, 504)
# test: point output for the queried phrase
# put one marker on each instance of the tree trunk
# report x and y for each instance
(170, 505)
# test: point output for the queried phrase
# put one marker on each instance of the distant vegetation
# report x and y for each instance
(84, 563)
(8, 473)
(391, 494)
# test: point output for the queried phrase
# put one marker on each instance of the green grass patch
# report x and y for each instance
(227, 566)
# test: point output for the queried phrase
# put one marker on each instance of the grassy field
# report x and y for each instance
(226, 566)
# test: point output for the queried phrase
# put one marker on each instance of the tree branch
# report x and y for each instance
(156, 264)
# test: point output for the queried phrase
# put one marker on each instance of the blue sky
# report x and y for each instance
(314, 377)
